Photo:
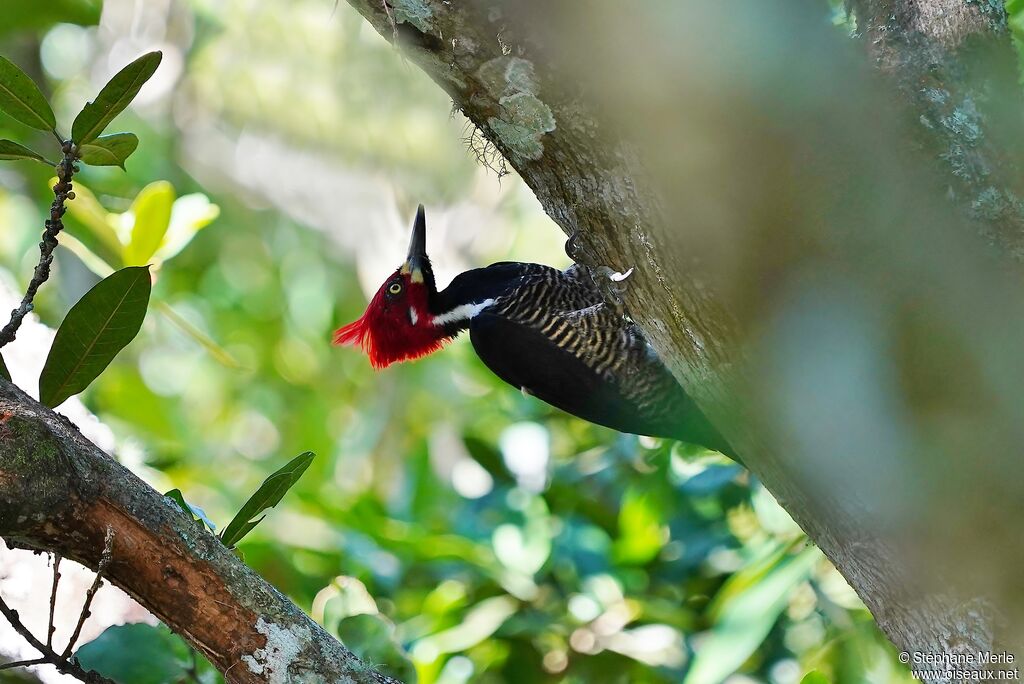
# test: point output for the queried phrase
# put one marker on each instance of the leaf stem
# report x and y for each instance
(61, 191)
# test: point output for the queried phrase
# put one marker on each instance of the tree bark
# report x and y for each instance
(60, 493)
(798, 262)
(954, 64)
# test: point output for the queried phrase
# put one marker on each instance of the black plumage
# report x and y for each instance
(551, 333)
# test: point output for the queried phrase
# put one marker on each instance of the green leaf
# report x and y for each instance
(33, 16)
(109, 150)
(137, 654)
(267, 496)
(21, 98)
(195, 513)
(4, 373)
(746, 616)
(642, 529)
(152, 214)
(113, 98)
(100, 325)
(814, 677)
(10, 150)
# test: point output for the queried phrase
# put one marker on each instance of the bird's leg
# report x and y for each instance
(573, 250)
(612, 285)
(609, 282)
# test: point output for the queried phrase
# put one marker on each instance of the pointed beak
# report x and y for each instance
(416, 261)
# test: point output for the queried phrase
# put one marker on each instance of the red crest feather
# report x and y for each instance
(387, 335)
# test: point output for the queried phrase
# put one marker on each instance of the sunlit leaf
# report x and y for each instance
(99, 326)
(10, 150)
(479, 623)
(152, 215)
(267, 496)
(4, 373)
(745, 619)
(113, 98)
(814, 677)
(642, 532)
(190, 214)
(109, 150)
(92, 261)
(21, 98)
(138, 654)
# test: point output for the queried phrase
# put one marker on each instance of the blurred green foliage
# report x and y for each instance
(450, 529)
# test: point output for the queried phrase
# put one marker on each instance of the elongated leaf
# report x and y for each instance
(152, 213)
(100, 325)
(11, 150)
(113, 98)
(109, 150)
(92, 261)
(6, 374)
(94, 226)
(219, 353)
(814, 677)
(21, 98)
(747, 616)
(267, 496)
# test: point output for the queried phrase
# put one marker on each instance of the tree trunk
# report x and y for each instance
(798, 260)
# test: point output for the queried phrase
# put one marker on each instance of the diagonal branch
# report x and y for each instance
(61, 493)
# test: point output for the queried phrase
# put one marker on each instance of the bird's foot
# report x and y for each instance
(612, 285)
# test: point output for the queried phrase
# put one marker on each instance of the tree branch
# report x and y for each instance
(61, 493)
(61, 193)
(954, 65)
(759, 180)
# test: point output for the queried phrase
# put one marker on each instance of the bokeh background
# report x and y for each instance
(450, 529)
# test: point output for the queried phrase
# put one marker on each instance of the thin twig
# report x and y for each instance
(53, 599)
(61, 192)
(108, 547)
(22, 663)
(47, 656)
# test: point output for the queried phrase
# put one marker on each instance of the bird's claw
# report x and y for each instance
(612, 285)
(572, 247)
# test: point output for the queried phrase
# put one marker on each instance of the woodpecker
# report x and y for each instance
(547, 332)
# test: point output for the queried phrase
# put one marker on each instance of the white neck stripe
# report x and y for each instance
(463, 312)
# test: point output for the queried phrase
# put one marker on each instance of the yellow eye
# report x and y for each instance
(395, 288)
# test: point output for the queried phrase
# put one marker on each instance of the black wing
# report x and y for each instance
(525, 357)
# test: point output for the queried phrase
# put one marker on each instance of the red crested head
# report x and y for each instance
(398, 324)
